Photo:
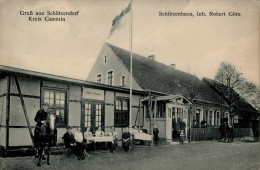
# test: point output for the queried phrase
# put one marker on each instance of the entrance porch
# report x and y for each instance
(170, 114)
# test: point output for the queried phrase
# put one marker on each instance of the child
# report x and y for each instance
(182, 136)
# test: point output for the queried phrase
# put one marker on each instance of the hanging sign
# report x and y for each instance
(89, 93)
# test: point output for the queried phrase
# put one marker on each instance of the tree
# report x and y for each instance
(228, 75)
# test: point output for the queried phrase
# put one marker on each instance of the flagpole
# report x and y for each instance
(131, 63)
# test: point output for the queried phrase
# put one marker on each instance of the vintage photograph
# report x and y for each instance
(129, 84)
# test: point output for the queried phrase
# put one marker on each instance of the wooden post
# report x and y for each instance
(7, 111)
(24, 108)
(190, 121)
(68, 106)
(82, 120)
(151, 116)
(155, 110)
(139, 113)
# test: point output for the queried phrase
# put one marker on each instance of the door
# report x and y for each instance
(94, 115)
(169, 107)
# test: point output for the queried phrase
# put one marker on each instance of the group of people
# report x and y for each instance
(75, 142)
(178, 129)
(226, 131)
(128, 138)
(79, 141)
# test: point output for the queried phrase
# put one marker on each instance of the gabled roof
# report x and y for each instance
(237, 100)
(152, 75)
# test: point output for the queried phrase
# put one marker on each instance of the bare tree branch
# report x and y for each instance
(229, 76)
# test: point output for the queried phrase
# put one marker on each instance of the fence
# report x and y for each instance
(198, 134)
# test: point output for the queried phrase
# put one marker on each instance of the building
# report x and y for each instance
(176, 93)
(242, 112)
(75, 102)
(103, 100)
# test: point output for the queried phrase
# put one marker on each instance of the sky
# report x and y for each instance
(195, 44)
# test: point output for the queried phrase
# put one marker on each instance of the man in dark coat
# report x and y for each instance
(40, 117)
(255, 129)
(68, 138)
(155, 134)
(72, 144)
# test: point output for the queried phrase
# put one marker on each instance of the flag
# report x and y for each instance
(116, 23)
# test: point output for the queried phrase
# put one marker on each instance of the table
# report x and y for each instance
(100, 139)
(142, 136)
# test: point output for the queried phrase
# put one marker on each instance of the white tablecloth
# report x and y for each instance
(101, 139)
(143, 136)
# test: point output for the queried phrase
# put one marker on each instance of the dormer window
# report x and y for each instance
(99, 78)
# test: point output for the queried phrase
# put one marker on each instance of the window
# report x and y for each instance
(218, 119)
(160, 109)
(196, 118)
(57, 102)
(173, 112)
(210, 117)
(180, 113)
(94, 115)
(87, 114)
(215, 118)
(118, 105)
(206, 118)
(110, 78)
(105, 59)
(122, 112)
(99, 78)
(146, 107)
(169, 112)
(98, 115)
(185, 113)
(123, 81)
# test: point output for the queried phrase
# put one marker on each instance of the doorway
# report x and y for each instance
(179, 122)
(94, 115)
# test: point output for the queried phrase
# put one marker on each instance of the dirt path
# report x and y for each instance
(197, 155)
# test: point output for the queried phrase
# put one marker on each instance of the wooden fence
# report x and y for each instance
(199, 134)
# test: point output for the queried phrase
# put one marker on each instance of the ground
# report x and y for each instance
(195, 155)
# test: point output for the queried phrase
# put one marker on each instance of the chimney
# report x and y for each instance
(152, 57)
(173, 66)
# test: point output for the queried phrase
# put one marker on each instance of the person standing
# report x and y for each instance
(182, 136)
(155, 134)
(255, 129)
